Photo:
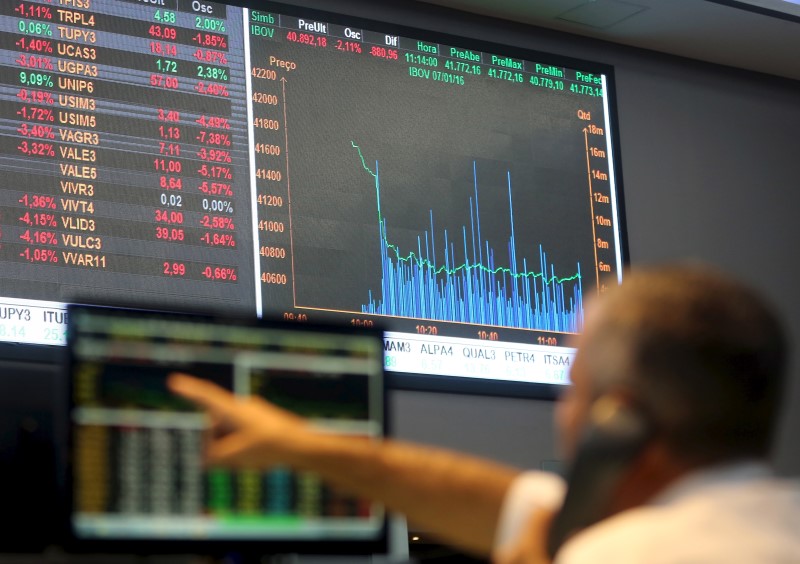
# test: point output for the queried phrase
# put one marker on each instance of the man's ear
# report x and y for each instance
(614, 417)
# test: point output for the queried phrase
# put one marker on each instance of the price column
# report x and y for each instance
(169, 217)
(270, 81)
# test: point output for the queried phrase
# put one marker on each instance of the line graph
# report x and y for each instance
(478, 289)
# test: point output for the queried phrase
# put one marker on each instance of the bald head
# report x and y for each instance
(702, 356)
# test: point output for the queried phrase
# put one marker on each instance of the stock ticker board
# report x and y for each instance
(180, 153)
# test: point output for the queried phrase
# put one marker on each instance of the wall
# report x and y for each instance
(708, 161)
(709, 168)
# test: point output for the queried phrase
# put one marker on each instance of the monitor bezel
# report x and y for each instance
(74, 543)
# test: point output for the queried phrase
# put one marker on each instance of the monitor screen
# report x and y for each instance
(281, 162)
(135, 454)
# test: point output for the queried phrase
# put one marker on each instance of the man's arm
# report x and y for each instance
(455, 497)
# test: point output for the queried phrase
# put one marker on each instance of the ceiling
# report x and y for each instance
(699, 29)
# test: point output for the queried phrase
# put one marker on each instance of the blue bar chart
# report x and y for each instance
(489, 287)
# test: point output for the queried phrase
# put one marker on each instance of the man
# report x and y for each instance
(698, 358)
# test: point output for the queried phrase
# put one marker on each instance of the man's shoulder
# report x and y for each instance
(752, 521)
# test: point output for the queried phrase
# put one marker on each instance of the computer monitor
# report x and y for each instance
(135, 450)
(315, 166)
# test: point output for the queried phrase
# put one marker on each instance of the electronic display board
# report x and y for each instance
(276, 161)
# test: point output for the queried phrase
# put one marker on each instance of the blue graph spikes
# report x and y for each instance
(415, 285)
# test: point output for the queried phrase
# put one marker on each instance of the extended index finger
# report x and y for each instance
(202, 392)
